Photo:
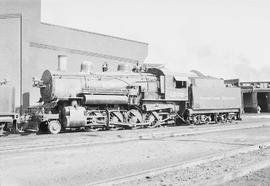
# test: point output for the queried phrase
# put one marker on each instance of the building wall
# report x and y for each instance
(9, 52)
(41, 43)
(268, 101)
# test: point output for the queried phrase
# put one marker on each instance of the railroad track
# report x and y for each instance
(33, 136)
(54, 142)
(219, 179)
(127, 131)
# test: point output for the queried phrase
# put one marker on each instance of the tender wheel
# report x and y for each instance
(54, 127)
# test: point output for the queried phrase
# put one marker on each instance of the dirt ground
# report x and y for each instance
(201, 173)
(89, 163)
(258, 178)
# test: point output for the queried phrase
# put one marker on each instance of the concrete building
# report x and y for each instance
(254, 94)
(28, 47)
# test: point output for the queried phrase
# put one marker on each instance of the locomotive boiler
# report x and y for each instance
(128, 98)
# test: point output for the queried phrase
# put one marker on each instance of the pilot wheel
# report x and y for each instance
(54, 127)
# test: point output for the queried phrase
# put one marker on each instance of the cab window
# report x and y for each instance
(181, 84)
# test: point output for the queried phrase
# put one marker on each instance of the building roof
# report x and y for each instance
(99, 34)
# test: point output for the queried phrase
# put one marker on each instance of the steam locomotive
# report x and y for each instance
(131, 98)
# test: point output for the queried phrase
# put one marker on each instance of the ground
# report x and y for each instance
(258, 178)
(87, 158)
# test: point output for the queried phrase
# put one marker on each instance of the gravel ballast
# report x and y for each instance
(204, 172)
(261, 177)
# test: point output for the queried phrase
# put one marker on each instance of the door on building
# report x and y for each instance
(10, 53)
(262, 98)
(248, 102)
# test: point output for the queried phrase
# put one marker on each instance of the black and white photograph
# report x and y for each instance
(134, 92)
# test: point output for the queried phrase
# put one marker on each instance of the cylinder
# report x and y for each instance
(105, 99)
(62, 63)
(87, 67)
(73, 117)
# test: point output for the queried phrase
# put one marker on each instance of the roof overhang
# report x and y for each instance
(180, 78)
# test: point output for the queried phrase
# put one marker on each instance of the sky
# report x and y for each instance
(221, 38)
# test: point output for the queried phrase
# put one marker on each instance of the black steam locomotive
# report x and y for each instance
(129, 98)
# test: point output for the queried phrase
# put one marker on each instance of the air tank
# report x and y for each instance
(105, 99)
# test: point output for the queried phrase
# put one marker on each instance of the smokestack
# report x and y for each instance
(62, 63)
(87, 67)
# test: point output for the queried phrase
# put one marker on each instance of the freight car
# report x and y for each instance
(8, 117)
(129, 98)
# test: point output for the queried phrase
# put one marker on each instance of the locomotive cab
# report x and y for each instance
(172, 91)
(172, 86)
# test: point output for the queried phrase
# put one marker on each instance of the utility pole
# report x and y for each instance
(21, 64)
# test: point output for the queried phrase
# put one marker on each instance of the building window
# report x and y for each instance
(181, 84)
